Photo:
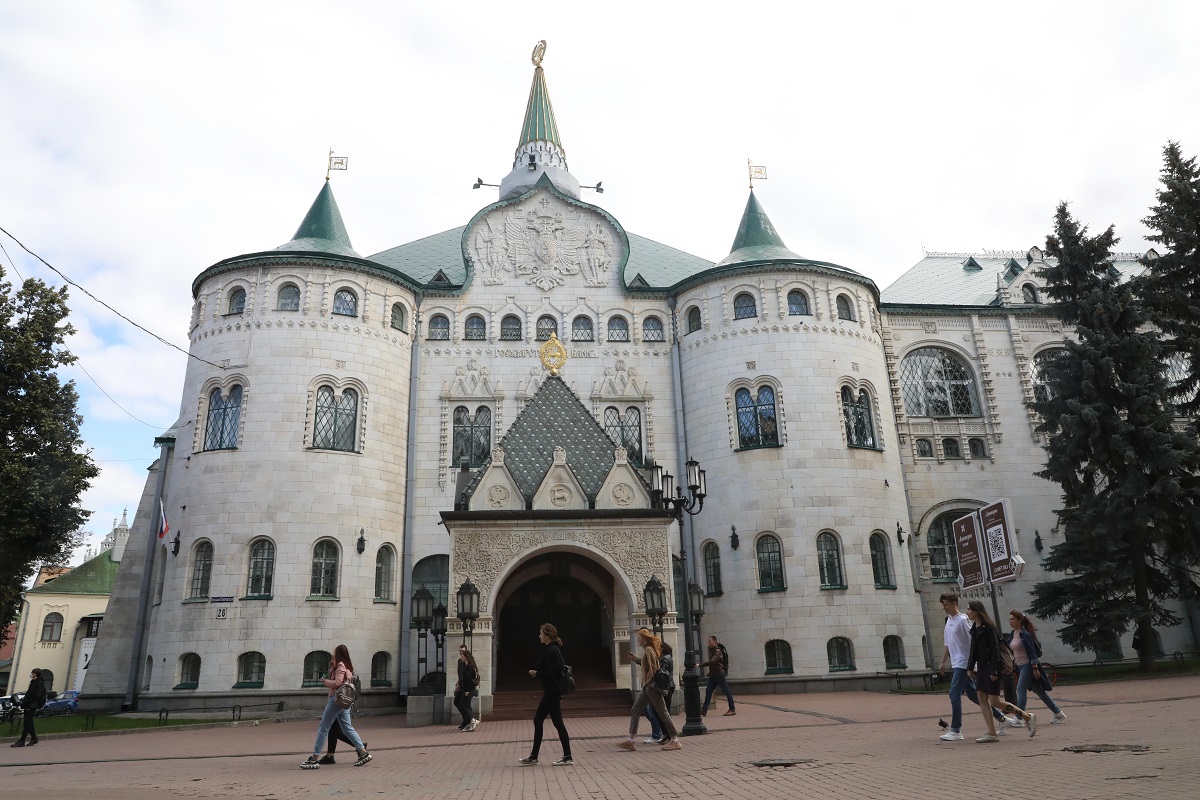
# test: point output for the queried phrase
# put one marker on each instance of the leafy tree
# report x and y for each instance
(1131, 496)
(43, 469)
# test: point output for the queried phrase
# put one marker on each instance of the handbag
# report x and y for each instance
(1040, 674)
(565, 683)
(662, 680)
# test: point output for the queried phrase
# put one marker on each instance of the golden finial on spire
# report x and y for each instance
(553, 355)
(539, 52)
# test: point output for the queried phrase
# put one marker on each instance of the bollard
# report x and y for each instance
(163, 716)
(237, 713)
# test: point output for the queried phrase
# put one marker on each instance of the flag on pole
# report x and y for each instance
(757, 172)
(336, 162)
(164, 528)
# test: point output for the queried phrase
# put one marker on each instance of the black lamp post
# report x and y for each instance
(439, 639)
(655, 595)
(422, 617)
(670, 498)
(468, 609)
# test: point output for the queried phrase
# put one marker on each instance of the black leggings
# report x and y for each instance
(28, 730)
(551, 706)
(462, 701)
(335, 733)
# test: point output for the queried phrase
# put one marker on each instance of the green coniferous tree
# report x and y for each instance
(1130, 494)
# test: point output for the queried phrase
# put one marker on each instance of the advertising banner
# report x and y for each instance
(1000, 543)
(971, 572)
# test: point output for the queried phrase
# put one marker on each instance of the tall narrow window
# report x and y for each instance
(652, 329)
(856, 413)
(224, 414)
(744, 306)
(202, 569)
(262, 568)
(345, 303)
(756, 418)
(189, 671)
(829, 558)
(943, 555)
(893, 653)
(316, 668)
(439, 327)
(844, 308)
(335, 420)
(938, 384)
(288, 298)
(237, 301)
(252, 671)
(712, 568)
(324, 570)
(581, 329)
(770, 564)
(841, 654)
(381, 669)
(476, 329)
(510, 329)
(52, 627)
(779, 657)
(626, 431)
(618, 329)
(433, 572)
(546, 325)
(881, 567)
(693, 319)
(1038, 367)
(385, 566)
(472, 436)
(797, 303)
(397, 318)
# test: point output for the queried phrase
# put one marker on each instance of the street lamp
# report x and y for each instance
(422, 617)
(696, 605)
(655, 595)
(468, 609)
(439, 638)
(671, 499)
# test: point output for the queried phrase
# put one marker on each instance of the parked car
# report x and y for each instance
(64, 703)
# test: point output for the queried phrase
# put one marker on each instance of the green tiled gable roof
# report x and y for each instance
(95, 576)
(423, 259)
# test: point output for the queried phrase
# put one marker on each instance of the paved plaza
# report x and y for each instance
(846, 745)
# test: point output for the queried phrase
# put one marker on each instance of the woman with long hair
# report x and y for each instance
(984, 667)
(1026, 649)
(341, 670)
(548, 671)
(466, 688)
(650, 660)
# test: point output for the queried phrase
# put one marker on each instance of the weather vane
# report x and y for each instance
(553, 354)
(757, 172)
(336, 162)
(539, 52)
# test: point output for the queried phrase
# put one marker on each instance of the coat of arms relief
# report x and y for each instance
(543, 242)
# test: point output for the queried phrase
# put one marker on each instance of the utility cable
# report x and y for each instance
(115, 403)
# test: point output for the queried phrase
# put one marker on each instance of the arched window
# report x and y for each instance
(829, 558)
(581, 329)
(476, 329)
(744, 306)
(202, 569)
(324, 570)
(652, 329)
(48, 679)
(943, 555)
(335, 420)
(712, 568)
(381, 664)
(977, 448)
(756, 418)
(893, 653)
(770, 564)
(510, 329)
(439, 327)
(618, 329)
(316, 668)
(52, 627)
(938, 384)
(881, 567)
(345, 303)
(472, 436)
(385, 568)
(1029, 293)
(433, 573)
(844, 308)
(693, 319)
(779, 657)
(546, 325)
(625, 431)
(951, 448)
(1037, 372)
(860, 427)
(924, 448)
(252, 671)
(841, 654)
(262, 568)
(797, 303)
(237, 301)
(1178, 375)
(288, 298)
(224, 414)
(189, 671)
(397, 320)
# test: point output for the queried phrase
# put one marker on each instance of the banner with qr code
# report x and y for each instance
(999, 543)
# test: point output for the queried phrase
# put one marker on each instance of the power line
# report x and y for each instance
(106, 305)
(115, 403)
(12, 263)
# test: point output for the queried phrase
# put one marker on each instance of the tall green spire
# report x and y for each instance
(757, 239)
(539, 125)
(322, 230)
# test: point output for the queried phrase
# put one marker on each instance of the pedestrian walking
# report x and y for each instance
(336, 734)
(667, 663)
(549, 670)
(984, 666)
(466, 688)
(1027, 652)
(957, 636)
(717, 669)
(34, 699)
(654, 691)
(341, 670)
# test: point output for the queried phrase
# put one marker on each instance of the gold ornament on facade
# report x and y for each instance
(553, 355)
(539, 52)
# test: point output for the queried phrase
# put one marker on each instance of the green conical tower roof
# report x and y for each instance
(539, 125)
(757, 239)
(322, 230)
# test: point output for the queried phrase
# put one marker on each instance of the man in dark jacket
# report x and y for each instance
(716, 676)
(34, 699)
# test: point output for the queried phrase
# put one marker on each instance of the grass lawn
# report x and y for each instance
(104, 722)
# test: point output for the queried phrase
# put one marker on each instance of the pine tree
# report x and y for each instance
(43, 469)
(1129, 491)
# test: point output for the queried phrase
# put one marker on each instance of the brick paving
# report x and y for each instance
(848, 745)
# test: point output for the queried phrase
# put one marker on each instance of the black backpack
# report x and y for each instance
(724, 657)
(566, 681)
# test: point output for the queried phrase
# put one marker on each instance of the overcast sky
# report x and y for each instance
(143, 142)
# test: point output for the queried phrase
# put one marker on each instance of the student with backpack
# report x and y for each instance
(989, 660)
(718, 671)
(341, 674)
(466, 688)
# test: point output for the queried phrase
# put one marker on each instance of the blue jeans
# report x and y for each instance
(655, 727)
(713, 682)
(1026, 681)
(342, 715)
(959, 683)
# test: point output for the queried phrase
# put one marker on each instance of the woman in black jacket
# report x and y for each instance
(549, 669)
(984, 666)
(466, 688)
(34, 699)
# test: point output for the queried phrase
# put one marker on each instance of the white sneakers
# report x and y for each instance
(1060, 717)
(1001, 726)
(951, 736)
(1015, 722)
(474, 724)
(986, 738)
